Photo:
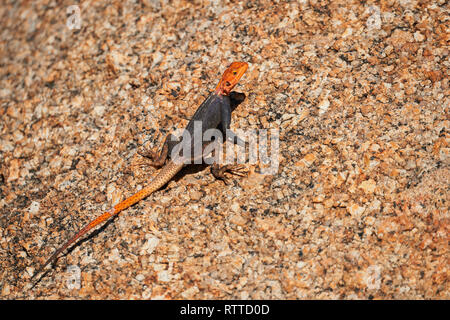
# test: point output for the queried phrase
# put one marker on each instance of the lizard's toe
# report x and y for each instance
(238, 170)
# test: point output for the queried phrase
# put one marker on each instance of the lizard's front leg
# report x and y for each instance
(220, 171)
(230, 103)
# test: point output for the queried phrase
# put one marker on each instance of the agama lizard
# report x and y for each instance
(214, 112)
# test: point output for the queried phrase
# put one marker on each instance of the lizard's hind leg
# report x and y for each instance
(158, 159)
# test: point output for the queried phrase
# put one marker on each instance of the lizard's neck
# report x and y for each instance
(220, 90)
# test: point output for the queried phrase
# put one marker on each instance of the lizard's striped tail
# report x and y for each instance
(164, 176)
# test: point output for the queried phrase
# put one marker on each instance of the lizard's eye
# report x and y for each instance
(235, 72)
(228, 83)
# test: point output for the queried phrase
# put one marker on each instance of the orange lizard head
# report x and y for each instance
(231, 77)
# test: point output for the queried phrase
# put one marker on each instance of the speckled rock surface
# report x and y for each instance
(357, 210)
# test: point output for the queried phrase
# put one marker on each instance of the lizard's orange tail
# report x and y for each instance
(166, 173)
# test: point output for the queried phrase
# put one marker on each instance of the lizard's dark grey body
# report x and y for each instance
(213, 113)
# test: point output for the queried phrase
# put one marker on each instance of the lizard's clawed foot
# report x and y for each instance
(147, 153)
(159, 158)
(156, 160)
(234, 169)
